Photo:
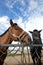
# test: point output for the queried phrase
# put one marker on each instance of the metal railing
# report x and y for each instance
(23, 55)
(16, 45)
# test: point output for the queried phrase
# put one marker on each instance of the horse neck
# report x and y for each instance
(5, 39)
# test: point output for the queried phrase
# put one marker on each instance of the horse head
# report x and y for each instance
(35, 34)
(18, 33)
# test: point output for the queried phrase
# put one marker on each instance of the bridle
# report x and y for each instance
(21, 37)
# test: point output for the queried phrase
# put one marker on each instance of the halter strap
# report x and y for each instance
(36, 38)
(21, 37)
(16, 35)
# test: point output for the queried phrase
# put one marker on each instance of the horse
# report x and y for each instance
(36, 51)
(13, 33)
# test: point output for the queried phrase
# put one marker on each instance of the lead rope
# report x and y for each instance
(21, 37)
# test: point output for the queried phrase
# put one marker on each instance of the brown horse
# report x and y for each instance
(14, 32)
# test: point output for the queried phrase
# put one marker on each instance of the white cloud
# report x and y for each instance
(36, 6)
(33, 4)
(20, 22)
(3, 19)
(35, 23)
(4, 23)
(22, 2)
(10, 3)
(10, 6)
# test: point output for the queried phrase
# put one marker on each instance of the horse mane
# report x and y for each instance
(4, 32)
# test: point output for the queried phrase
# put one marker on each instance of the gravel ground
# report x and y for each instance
(16, 60)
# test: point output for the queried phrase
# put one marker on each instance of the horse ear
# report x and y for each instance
(11, 22)
(31, 32)
(40, 31)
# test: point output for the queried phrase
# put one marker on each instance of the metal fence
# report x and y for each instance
(16, 45)
(23, 55)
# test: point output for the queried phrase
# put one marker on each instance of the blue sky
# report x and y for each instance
(14, 8)
(27, 13)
